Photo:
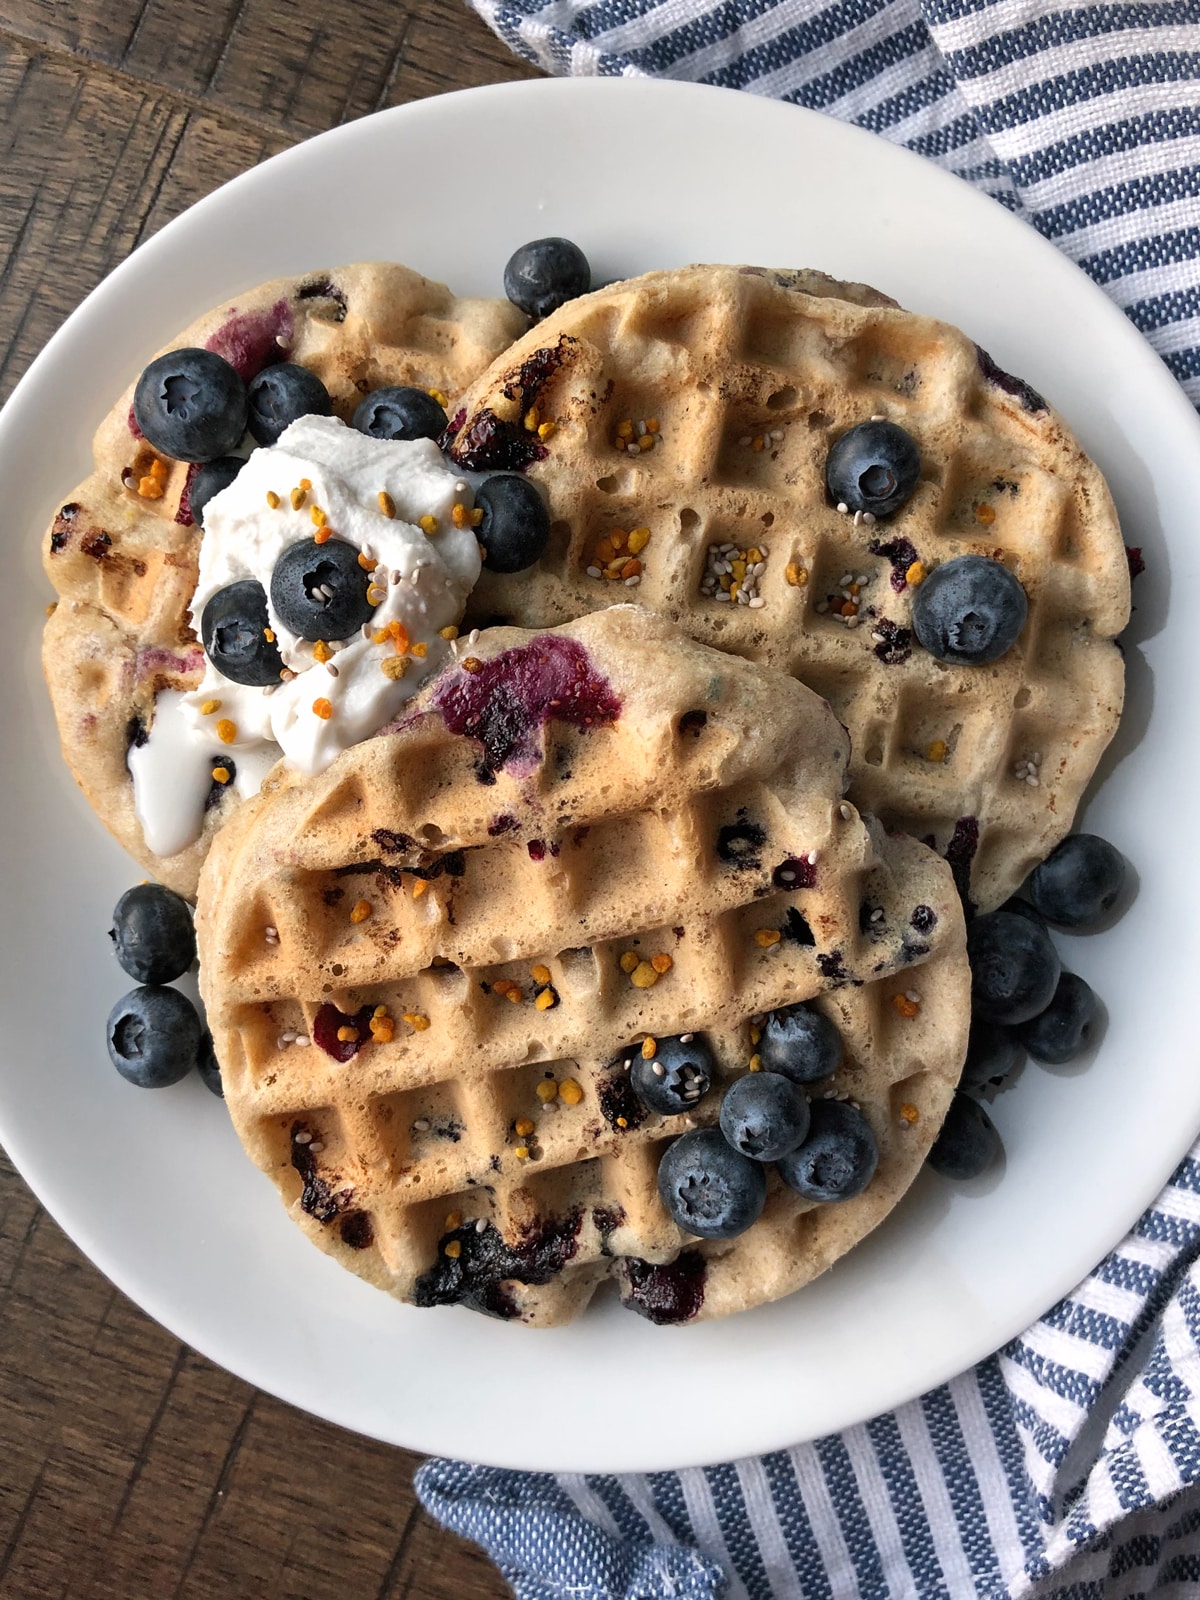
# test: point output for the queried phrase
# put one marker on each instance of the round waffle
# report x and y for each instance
(425, 970)
(679, 424)
(122, 550)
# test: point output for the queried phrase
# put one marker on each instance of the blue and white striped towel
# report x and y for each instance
(1067, 1467)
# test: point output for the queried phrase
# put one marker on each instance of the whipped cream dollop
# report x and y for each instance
(422, 576)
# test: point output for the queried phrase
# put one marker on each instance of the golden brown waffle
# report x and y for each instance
(681, 808)
(122, 550)
(697, 407)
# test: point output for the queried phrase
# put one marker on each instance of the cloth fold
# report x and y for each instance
(1067, 1466)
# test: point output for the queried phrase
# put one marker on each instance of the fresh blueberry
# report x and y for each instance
(233, 630)
(1060, 1032)
(992, 1053)
(400, 413)
(191, 404)
(153, 933)
(282, 393)
(212, 477)
(838, 1156)
(802, 1044)
(543, 275)
(1014, 968)
(209, 1067)
(710, 1189)
(516, 524)
(764, 1115)
(1078, 882)
(969, 611)
(968, 1143)
(873, 468)
(676, 1077)
(153, 1036)
(319, 591)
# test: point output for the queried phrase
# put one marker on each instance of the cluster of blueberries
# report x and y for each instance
(155, 1036)
(713, 1181)
(1022, 998)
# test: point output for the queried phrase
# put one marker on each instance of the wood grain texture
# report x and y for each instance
(130, 1467)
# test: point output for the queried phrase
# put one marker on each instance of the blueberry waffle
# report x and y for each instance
(122, 550)
(682, 426)
(437, 973)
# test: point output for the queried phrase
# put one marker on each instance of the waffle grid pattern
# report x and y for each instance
(378, 1156)
(123, 562)
(748, 380)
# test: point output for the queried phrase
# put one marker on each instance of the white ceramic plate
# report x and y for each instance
(154, 1187)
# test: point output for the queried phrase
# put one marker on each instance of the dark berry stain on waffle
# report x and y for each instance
(329, 1021)
(393, 843)
(136, 734)
(795, 872)
(1133, 554)
(250, 340)
(183, 514)
(490, 444)
(833, 967)
(325, 289)
(356, 1230)
(217, 789)
(97, 545)
(619, 1105)
(901, 553)
(61, 531)
(478, 1273)
(960, 853)
(1028, 397)
(607, 1219)
(923, 919)
(506, 701)
(739, 843)
(665, 1294)
(893, 644)
(796, 929)
(317, 1198)
(506, 823)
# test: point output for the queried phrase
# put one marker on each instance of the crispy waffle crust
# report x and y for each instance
(560, 800)
(700, 404)
(124, 564)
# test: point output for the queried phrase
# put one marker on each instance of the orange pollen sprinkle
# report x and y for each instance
(417, 1020)
(459, 515)
(297, 498)
(319, 517)
(649, 1046)
(160, 470)
(209, 706)
(905, 1007)
(546, 999)
(764, 938)
(570, 1092)
(523, 1127)
(150, 488)
(472, 664)
(420, 649)
(323, 709)
(361, 911)
(419, 887)
(909, 1113)
(321, 651)
(348, 1035)
(937, 751)
(454, 1248)
(662, 963)
(448, 633)
(269, 635)
(629, 961)
(368, 563)
(428, 524)
(226, 731)
(622, 1122)
(272, 500)
(540, 974)
(985, 514)
(388, 506)
(915, 574)
(221, 774)
(323, 534)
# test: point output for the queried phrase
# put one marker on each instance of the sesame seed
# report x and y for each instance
(302, 1137)
(686, 1038)
(843, 507)
(421, 1125)
(813, 857)
(845, 812)
(316, 1147)
(302, 1041)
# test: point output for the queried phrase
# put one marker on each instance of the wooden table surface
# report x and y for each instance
(130, 1467)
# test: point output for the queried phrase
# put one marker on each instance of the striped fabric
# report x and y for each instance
(1083, 118)
(1067, 1467)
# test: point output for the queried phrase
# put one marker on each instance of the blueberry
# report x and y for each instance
(1014, 968)
(710, 1189)
(968, 1143)
(282, 393)
(400, 413)
(233, 629)
(802, 1044)
(153, 933)
(676, 1077)
(153, 1036)
(838, 1156)
(969, 611)
(992, 1053)
(319, 591)
(516, 524)
(212, 477)
(873, 468)
(1060, 1032)
(764, 1115)
(191, 404)
(209, 1067)
(1078, 882)
(1022, 908)
(543, 275)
